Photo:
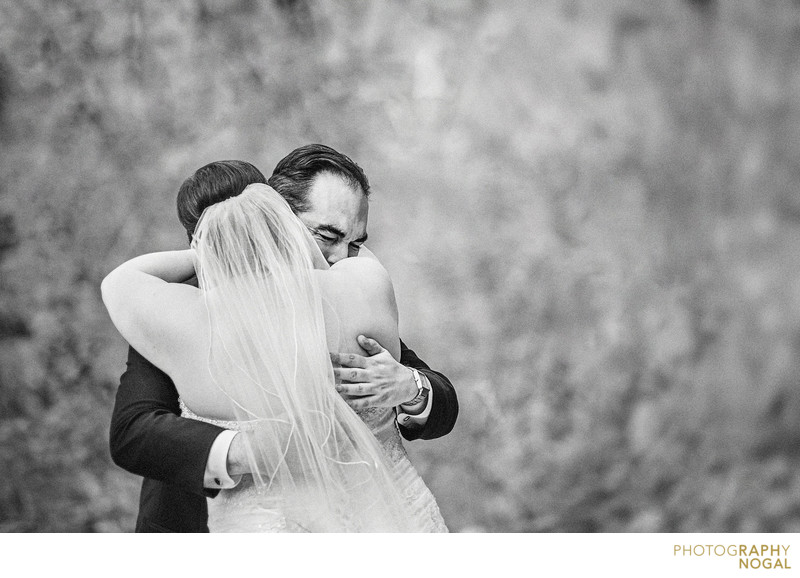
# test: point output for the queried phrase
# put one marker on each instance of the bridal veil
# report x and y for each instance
(310, 453)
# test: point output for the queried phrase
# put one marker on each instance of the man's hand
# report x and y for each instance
(375, 381)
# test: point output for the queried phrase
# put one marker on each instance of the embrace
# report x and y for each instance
(267, 388)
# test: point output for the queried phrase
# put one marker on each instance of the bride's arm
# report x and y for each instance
(147, 304)
(166, 266)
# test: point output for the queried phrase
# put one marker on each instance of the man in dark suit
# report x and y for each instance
(183, 461)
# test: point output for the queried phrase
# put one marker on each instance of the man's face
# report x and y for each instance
(337, 218)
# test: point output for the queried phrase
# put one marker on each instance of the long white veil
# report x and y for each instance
(310, 453)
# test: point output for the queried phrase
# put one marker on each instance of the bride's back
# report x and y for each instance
(357, 299)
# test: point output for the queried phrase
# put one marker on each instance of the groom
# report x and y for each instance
(184, 460)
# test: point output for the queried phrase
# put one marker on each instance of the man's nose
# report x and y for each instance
(337, 253)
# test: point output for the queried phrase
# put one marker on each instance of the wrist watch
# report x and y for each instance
(423, 387)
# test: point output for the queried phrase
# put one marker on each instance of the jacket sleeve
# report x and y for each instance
(149, 438)
(444, 410)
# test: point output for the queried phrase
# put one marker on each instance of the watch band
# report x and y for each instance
(422, 391)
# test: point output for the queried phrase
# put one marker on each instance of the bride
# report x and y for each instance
(248, 350)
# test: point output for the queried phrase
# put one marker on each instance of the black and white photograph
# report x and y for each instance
(403, 266)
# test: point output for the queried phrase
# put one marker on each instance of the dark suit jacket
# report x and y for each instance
(150, 439)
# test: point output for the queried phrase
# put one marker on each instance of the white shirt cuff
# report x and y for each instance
(419, 420)
(216, 475)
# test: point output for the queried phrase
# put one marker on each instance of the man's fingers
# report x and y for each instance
(369, 345)
(356, 389)
(350, 374)
(349, 360)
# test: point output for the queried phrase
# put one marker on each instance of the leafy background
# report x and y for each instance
(590, 211)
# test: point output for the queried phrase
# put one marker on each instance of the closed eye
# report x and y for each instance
(327, 237)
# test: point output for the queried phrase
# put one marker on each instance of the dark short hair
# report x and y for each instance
(212, 184)
(295, 173)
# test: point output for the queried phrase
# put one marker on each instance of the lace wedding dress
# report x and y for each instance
(246, 509)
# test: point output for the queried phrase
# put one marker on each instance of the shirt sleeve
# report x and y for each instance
(216, 475)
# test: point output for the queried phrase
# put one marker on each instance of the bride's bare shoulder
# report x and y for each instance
(361, 292)
(362, 268)
(359, 275)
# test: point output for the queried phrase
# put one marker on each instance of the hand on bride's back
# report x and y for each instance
(375, 380)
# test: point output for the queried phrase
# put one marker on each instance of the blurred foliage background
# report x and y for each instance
(590, 211)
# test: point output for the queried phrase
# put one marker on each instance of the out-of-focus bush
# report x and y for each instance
(589, 209)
